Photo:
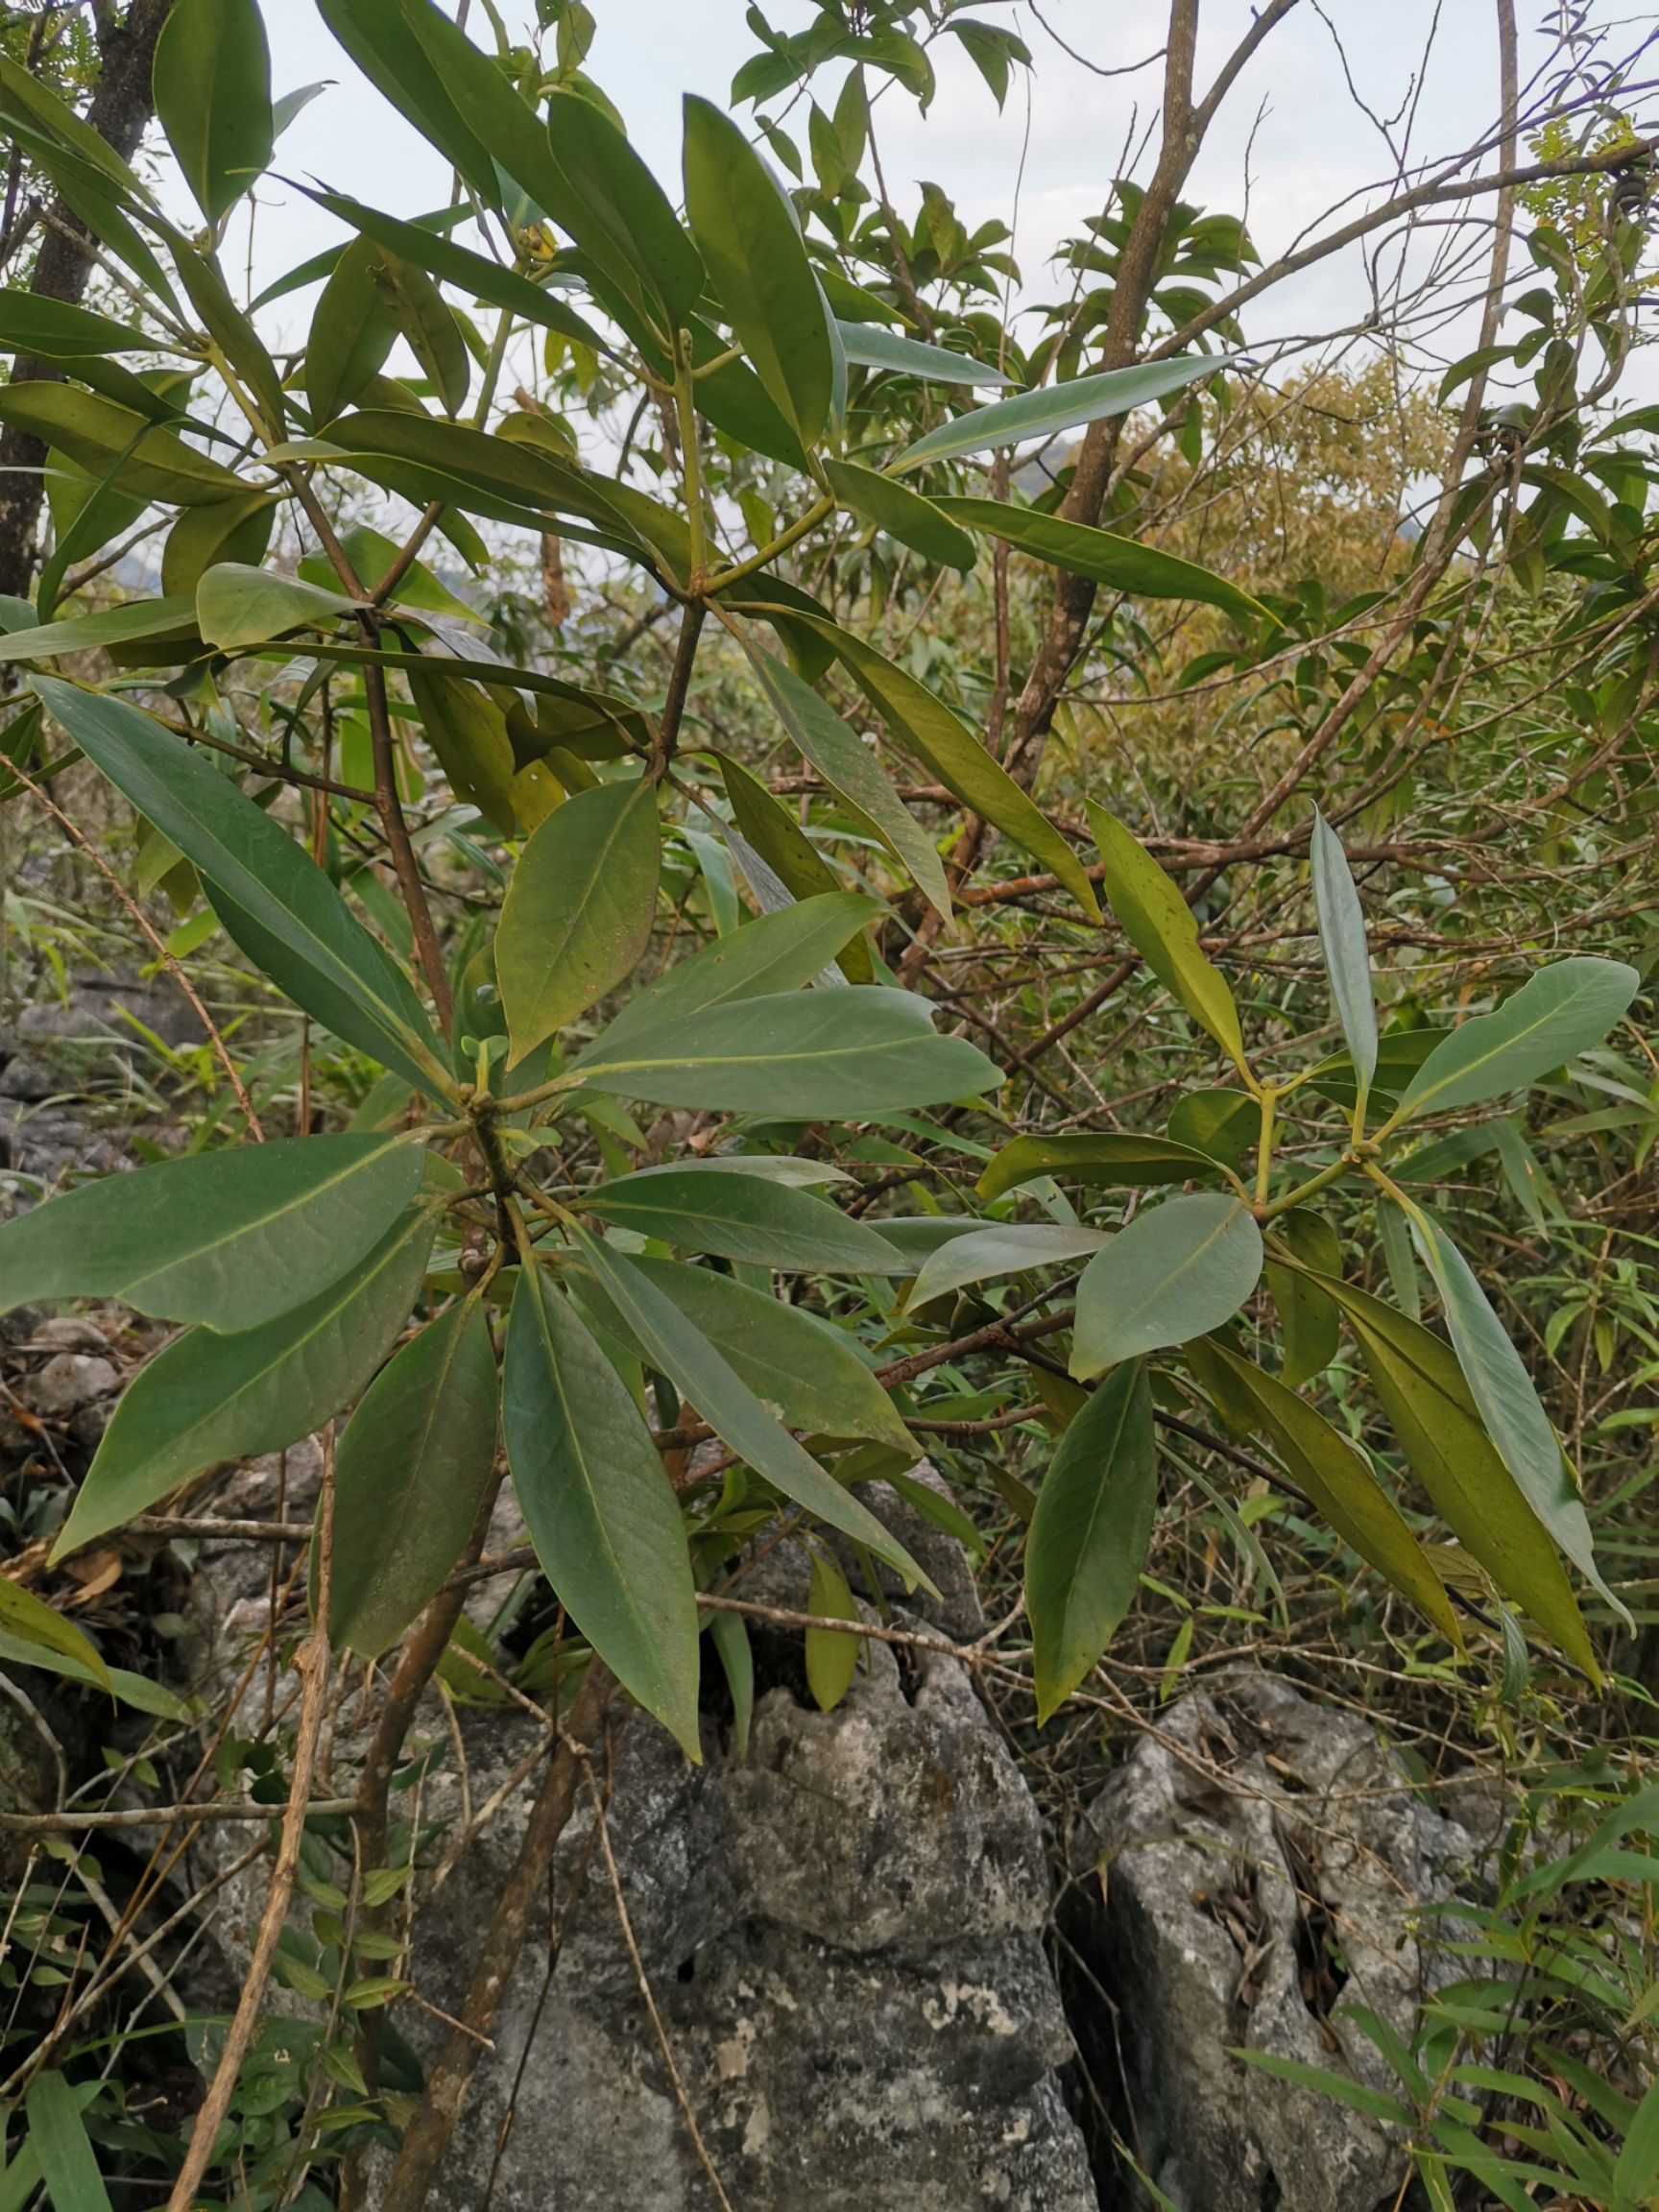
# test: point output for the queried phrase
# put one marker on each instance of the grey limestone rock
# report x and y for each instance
(1248, 1876)
(843, 1936)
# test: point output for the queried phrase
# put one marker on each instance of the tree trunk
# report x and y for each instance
(119, 111)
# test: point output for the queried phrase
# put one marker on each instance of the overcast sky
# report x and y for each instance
(1289, 146)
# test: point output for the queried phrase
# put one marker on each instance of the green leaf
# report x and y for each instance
(1179, 1271)
(381, 37)
(1508, 1403)
(928, 729)
(844, 762)
(56, 331)
(777, 953)
(770, 831)
(618, 212)
(490, 473)
(869, 347)
(1426, 1400)
(740, 1216)
(237, 606)
(231, 530)
(601, 1512)
(809, 1055)
(1557, 1014)
(1122, 1160)
(417, 310)
(1001, 1248)
(1637, 2170)
(729, 1634)
(1358, 2094)
(410, 1476)
(676, 1348)
(100, 436)
(212, 87)
(371, 554)
(229, 1240)
(226, 324)
(1089, 1533)
(1143, 571)
(1160, 924)
(903, 513)
(750, 245)
(273, 898)
(1335, 1480)
(1224, 1125)
(135, 621)
(208, 1398)
(351, 333)
(805, 1368)
(124, 1686)
(1059, 407)
(1311, 1320)
(59, 2139)
(468, 730)
(832, 1657)
(578, 913)
(458, 265)
(31, 1623)
(1343, 940)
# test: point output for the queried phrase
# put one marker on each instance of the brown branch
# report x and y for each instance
(311, 1661)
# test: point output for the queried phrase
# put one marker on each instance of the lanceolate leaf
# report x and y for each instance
(137, 620)
(1089, 1533)
(409, 1477)
(741, 1217)
(747, 234)
(1059, 407)
(1427, 1404)
(28, 1621)
(579, 909)
(869, 347)
(1334, 1477)
(31, 324)
(379, 36)
(832, 1654)
(842, 759)
(804, 1370)
(1159, 924)
(63, 2148)
(806, 1055)
(479, 278)
(351, 334)
(925, 726)
(779, 952)
(208, 1398)
(229, 1239)
(1001, 1248)
(1312, 1322)
(676, 1346)
(1343, 940)
(903, 513)
(271, 896)
(1143, 571)
(99, 435)
(1559, 1013)
(1508, 1403)
(600, 1510)
(618, 212)
(1179, 1271)
(212, 84)
(1122, 1160)
(1223, 1124)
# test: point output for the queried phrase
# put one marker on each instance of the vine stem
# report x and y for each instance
(311, 1662)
